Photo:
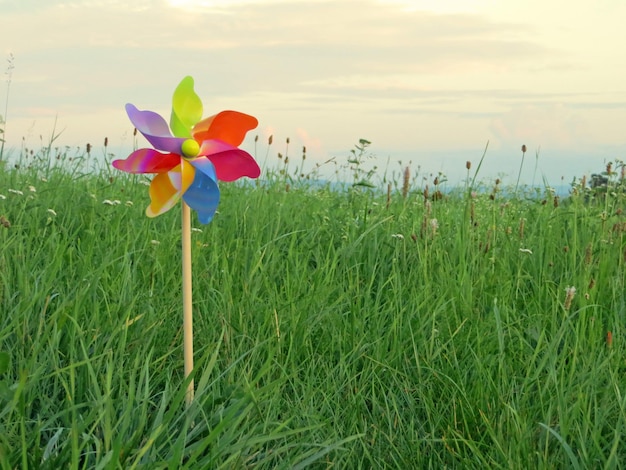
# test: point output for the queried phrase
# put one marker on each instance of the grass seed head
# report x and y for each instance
(406, 180)
(570, 292)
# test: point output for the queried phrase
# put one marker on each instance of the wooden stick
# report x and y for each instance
(187, 302)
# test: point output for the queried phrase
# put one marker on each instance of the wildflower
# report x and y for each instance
(32, 189)
(397, 236)
(108, 202)
(129, 203)
(2, 196)
(52, 211)
(16, 191)
(197, 230)
(43, 179)
(155, 242)
(525, 250)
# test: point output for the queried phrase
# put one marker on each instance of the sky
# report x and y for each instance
(428, 82)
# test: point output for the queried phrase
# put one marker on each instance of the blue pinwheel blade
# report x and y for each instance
(203, 195)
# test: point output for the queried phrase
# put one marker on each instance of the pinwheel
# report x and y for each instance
(189, 163)
(188, 159)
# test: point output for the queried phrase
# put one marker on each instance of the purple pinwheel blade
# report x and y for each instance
(154, 129)
(186, 108)
(203, 195)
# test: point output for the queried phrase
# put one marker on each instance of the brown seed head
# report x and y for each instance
(468, 164)
(406, 180)
(523, 148)
(592, 283)
(270, 139)
(106, 141)
(570, 292)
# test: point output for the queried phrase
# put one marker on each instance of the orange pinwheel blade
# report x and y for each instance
(228, 126)
(166, 189)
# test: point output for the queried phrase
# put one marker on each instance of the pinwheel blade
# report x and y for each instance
(186, 108)
(147, 161)
(231, 163)
(228, 126)
(154, 128)
(166, 188)
(203, 195)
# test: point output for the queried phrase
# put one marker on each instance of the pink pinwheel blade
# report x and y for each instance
(203, 195)
(186, 108)
(228, 126)
(147, 161)
(154, 128)
(231, 163)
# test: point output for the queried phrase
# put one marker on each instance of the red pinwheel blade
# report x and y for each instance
(147, 161)
(231, 163)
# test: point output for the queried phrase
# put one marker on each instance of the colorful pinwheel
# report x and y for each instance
(189, 163)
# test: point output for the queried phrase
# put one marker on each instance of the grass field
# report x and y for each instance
(333, 329)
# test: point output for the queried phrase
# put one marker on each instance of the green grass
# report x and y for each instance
(332, 329)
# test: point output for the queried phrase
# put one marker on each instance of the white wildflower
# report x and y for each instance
(32, 189)
(197, 230)
(2, 196)
(44, 179)
(16, 191)
(398, 236)
(52, 211)
(129, 203)
(155, 242)
(434, 224)
(108, 202)
(525, 250)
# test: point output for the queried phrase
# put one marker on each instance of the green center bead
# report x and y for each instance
(190, 148)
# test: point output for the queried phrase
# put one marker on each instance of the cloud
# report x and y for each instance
(555, 126)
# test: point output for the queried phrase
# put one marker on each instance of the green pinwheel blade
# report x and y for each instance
(186, 108)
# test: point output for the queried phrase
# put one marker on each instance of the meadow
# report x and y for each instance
(404, 325)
